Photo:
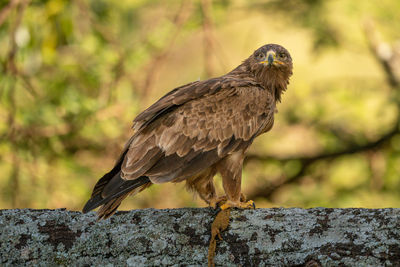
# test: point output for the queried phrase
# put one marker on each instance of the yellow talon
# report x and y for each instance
(251, 204)
(241, 205)
(214, 203)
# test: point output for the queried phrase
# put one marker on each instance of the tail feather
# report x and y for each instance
(110, 207)
(118, 191)
(98, 188)
(111, 189)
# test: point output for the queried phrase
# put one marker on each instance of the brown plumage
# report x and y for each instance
(197, 130)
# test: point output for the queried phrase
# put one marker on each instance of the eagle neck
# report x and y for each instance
(270, 79)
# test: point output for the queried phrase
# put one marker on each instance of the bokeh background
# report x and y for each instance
(74, 74)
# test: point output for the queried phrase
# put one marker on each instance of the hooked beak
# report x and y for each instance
(270, 59)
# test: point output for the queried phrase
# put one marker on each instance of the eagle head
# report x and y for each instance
(273, 55)
(272, 67)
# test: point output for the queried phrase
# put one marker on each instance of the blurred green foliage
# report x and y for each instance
(73, 75)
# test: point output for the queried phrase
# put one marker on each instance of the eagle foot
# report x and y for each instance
(241, 205)
(220, 201)
(217, 202)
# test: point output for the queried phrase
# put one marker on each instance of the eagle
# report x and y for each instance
(197, 130)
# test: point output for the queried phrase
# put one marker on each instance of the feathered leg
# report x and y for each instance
(231, 171)
(203, 185)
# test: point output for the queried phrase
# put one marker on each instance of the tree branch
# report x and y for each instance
(382, 52)
(353, 149)
(149, 237)
(7, 9)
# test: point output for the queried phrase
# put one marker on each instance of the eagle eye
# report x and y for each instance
(282, 56)
(260, 56)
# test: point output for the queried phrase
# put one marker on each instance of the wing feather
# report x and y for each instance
(195, 126)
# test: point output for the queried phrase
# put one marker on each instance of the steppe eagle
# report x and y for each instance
(197, 130)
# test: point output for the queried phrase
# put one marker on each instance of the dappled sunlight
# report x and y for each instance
(74, 74)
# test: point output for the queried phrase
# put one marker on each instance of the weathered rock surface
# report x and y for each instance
(180, 237)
